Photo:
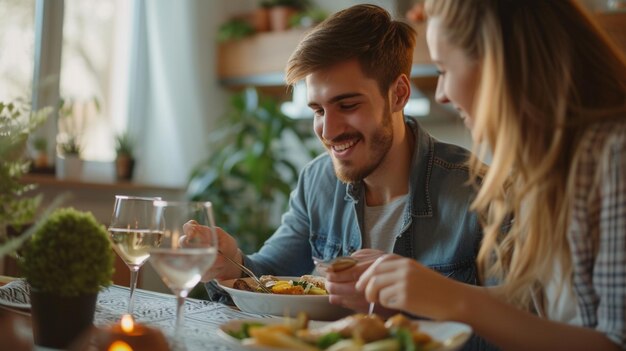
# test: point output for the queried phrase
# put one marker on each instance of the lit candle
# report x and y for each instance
(124, 336)
(120, 346)
(128, 335)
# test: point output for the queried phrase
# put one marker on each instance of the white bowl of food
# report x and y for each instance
(317, 306)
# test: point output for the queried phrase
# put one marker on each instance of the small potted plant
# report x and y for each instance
(262, 16)
(73, 119)
(307, 19)
(125, 156)
(69, 163)
(40, 144)
(66, 262)
(281, 12)
(234, 29)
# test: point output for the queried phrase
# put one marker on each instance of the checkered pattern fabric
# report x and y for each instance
(597, 233)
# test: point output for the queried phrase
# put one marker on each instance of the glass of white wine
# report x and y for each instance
(188, 249)
(131, 235)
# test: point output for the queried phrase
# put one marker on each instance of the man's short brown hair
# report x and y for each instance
(367, 33)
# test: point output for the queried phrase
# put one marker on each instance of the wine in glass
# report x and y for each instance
(188, 249)
(131, 235)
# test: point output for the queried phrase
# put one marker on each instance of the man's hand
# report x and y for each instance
(196, 235)
(341, 284)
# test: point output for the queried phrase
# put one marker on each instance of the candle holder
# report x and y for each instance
(124, 336)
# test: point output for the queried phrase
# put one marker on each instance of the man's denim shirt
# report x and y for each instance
(325, 216)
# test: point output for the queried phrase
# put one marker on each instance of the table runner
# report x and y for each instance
(202, 318)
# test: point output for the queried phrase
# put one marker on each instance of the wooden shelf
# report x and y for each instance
(261, 59)
(51, 180)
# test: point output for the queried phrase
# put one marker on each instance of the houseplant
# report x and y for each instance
(71, 127)
(233, 29)
(261, 16)
(125, 156)
(40, 144)
(252, 167)
(281, 12)
(16, 208)
(73, 118)
(308, 18)
(66, 262)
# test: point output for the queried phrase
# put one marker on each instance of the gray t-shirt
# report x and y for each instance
(383, 224)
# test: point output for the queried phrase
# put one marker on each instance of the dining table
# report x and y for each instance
(153, 309)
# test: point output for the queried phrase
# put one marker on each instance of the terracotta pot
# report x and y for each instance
(41, 161)
(261, 19)
(124, 166)
(279, 17)
(57, 320)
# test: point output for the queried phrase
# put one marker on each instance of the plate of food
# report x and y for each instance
(355, 332)
(290, 295)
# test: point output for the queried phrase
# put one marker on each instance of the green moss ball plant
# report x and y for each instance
(69, 255)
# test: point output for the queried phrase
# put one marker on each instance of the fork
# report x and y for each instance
(371, 309)
(248, 272)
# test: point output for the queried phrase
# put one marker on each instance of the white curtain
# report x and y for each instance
(174, 93)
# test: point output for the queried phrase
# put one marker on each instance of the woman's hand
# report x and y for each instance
(401, 283)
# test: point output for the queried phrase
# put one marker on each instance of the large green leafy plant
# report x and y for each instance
(255, 156)
(69, 255)
(16, 208)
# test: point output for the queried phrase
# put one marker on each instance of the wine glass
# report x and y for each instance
(185, 254)
(131, 235)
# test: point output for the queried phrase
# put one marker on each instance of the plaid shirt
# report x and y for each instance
(597, 232)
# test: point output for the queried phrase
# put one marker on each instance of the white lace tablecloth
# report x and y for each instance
(202, 318)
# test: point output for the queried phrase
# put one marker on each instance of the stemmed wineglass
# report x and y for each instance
(131, 235)
(188, 250)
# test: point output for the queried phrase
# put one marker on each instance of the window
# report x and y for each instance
(94, 65)
(17, 40)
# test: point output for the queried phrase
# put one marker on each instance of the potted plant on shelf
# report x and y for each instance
(308, 19)
(252, 168)
(281, 12)
(125, 156)
(261, 16)
(234, 29)
(73, 118)
(66, 262)
(40, 145)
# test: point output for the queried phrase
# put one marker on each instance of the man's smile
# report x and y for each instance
(344, 146)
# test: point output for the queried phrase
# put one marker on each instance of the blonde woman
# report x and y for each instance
(543, 89)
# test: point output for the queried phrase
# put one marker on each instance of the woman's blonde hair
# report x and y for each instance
(546, 73)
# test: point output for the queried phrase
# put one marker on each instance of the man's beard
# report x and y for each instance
(380, 143)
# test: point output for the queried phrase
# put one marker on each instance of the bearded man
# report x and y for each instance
(384, 184)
